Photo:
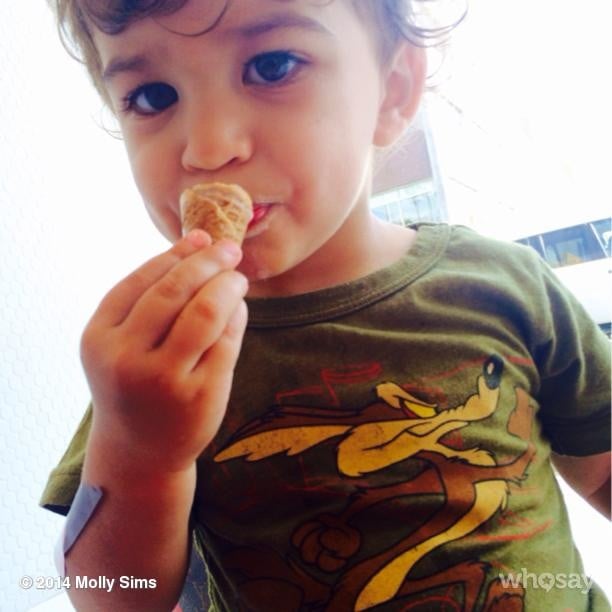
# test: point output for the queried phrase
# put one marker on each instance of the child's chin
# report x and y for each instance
(259, 276)
(255, 273)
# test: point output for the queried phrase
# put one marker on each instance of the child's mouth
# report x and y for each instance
(261, 211)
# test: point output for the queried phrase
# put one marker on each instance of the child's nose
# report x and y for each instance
(216, 138)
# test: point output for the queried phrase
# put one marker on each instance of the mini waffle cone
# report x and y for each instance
(222, 210)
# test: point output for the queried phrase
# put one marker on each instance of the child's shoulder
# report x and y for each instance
(464, 244)
(467, 237)
(474, 259)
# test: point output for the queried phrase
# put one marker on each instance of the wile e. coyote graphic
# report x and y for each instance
(374, 438)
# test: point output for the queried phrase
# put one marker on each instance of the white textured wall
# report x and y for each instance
(71, 225)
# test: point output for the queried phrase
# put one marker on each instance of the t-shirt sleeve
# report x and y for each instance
(64, 480)
(573, 359)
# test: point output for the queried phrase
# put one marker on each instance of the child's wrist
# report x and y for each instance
(113, 463)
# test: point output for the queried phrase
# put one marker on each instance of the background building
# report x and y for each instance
(406, 181)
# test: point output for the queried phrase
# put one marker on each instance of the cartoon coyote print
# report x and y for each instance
(400, 426)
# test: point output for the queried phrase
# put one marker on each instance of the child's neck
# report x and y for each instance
(380, 244)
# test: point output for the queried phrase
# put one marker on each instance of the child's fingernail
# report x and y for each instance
(230, 247)
(198, 237)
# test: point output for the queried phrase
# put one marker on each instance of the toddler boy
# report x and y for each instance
(380, 436)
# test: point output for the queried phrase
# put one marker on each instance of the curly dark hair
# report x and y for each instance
(422, 22)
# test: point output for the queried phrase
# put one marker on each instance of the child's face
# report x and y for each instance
(280, 97)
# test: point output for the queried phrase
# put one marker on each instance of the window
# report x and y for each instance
(535, 242)
(573, 245)
(603, 230)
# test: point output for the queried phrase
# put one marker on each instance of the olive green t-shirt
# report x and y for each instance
(387, 441)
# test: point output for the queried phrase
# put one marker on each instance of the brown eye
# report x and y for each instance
(271, 67)
(151, 98)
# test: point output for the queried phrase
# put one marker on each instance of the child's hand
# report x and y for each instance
(160, 350)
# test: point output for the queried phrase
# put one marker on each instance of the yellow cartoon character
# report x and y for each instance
(374, 438)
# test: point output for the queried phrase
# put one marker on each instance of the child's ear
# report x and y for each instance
(402, 89)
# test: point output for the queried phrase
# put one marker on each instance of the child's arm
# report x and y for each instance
(159, 354)
(589, 476)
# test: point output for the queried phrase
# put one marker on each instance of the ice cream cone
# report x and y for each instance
(221, 209)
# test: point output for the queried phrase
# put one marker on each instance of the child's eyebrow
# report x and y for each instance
(135, 63)
(138, 63)
(278, 21)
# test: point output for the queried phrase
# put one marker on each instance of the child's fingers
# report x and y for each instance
(216, 368)
(203, 320)
(222, 356)
(119, 301)
(151, 318)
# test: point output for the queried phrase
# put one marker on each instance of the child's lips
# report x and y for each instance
(260, 211)
(263, 212)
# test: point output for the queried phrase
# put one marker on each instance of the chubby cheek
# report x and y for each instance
(155, 184)
(334, 181)
(168, 225)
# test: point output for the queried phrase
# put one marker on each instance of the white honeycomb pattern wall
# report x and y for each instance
(69, 217)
